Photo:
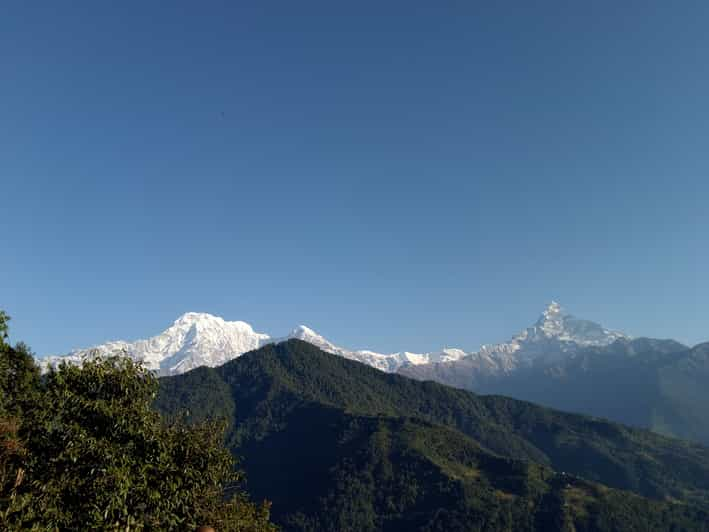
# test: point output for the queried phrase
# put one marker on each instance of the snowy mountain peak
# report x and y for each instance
(302, 332)
(194, 339)
(555, 323)
(193, 317)
(551, 322)
(205, 321)
(201, 339)
(553, 306)
(555, 334)
(552, 312)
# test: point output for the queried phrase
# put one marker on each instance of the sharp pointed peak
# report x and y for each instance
(553, 307)
(552, 313)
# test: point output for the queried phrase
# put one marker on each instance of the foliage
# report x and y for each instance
(95, 455)
(4, 318)
(19, 379)
(338, 445)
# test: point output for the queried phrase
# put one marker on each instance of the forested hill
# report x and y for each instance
(338, 445)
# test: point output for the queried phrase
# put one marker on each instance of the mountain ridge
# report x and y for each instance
(559, 361)
(337, 445)
(196, 339)
(201, 339)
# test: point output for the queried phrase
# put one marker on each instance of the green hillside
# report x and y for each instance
(337, 445)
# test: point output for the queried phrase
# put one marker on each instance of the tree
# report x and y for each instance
(4, 318)
(95, 455)
(18, 375)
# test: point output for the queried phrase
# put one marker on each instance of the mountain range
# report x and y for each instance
(200, 339)
(576, 365)
(337, 445)
(560, 361)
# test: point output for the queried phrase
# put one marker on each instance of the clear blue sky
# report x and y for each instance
(396, 175)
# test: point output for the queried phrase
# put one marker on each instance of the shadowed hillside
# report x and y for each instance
(338, 445)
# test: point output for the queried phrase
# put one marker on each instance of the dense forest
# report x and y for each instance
(83, 449)
(337, 445)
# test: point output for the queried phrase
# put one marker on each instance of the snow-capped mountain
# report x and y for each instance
(566, 363)
(385, 362)
(200, 339)
(555, 336)
(194, 339)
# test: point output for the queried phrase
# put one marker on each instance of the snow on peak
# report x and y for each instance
(194, 339)
(302, 332)
(551, 322)
(193, 317)
(554, 334)
(553, 307)
(201, 339)
(556, 323)
(552, 312)
(204, 321)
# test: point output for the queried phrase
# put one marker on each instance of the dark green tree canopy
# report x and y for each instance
(338, 445)
(89, 452)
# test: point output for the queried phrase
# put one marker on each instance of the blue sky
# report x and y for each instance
(396, 175)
